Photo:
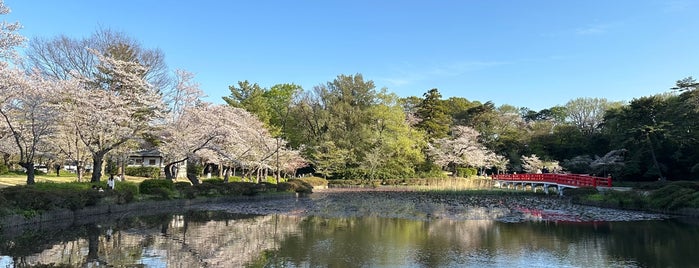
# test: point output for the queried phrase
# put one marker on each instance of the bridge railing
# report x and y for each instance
(580, 180)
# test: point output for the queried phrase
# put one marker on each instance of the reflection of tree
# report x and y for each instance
(220, 239)
(347, 242)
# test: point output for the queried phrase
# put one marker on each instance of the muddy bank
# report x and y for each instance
(422, 205)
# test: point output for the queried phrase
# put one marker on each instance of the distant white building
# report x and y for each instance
(146, 158)
(154, 158)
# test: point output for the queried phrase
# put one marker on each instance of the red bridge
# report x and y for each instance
(546, 180)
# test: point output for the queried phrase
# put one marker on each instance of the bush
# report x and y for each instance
(315, 181)
(153, 186)
(30, 198)
(466, 172)
(126, 192)
(3, 169)
(295, 185)
(213, 181)
(670, 197)
(580, 192)
(148, 172)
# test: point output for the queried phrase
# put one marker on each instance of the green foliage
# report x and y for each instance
(617, 199)
(158, 187)
(126, 192)
(4, 169)
(148, 172)
(466, 172)
(226, 189)
(185, 189)
(315, 181)
(433, 114)
(295, 185)
(213, 181)
(29, 198)
(432, 173)
(112, 168)
(194, 168)
(675, 195)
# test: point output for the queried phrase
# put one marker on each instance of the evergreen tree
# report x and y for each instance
(433, 115)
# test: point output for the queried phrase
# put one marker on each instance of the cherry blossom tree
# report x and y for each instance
(611, 162)
(217, 134)
(9, 38)
(28, 112)
(532, 164)
(462, 148)
(112, 108)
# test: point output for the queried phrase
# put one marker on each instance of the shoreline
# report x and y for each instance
(354, 202)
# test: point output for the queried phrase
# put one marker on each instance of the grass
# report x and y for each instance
(13, 179)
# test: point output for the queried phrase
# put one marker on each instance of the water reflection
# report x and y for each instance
(218, 239)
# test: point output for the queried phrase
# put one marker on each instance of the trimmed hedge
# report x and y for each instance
(148, 172)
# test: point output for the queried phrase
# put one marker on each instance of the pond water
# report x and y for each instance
(224, 239)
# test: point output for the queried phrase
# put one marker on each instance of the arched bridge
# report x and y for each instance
(546, 180)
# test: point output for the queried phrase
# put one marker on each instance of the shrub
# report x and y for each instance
(126, 192)
(149, 186)
(162, 193)
(3, 169)
(148, 172)
(185, 189)
(434, 173)
(295, 185)
(213, 181)
(580, 192)
(466, 172)
(315, 181)
(30, 198)
(670, 197)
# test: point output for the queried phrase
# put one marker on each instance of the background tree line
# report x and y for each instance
(348, 129)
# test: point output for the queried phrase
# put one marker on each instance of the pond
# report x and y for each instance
(225, 238)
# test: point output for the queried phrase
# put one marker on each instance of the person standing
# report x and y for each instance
(110, 182)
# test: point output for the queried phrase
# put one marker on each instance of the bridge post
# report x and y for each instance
(546, 188)
(560, 190)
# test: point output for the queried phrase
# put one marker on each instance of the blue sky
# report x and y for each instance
(534, 54)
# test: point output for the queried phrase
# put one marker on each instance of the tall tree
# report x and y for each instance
(9, 37)
(433, 115)
(28, 112)
(251, 98)
(64, 57)
(112, 108)
(588, 113)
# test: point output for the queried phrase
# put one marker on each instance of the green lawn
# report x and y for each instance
(20, 179)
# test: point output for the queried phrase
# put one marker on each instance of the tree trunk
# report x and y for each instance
(6, 159)
(226, 174)
(80, 170)
(168, 171)
(97, 160)
(192, 175)
(655, 160)
(122, 174)
(30, 172)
